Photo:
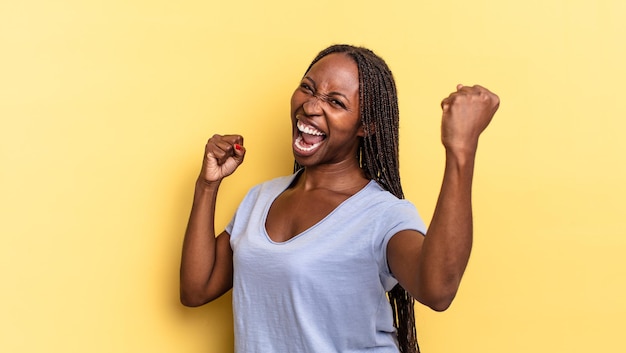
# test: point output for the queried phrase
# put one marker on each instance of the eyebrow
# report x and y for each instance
(334, 93)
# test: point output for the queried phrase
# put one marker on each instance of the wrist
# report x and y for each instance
(203, 185)
(462, 156)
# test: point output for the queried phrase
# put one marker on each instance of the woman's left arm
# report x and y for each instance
(431, 267)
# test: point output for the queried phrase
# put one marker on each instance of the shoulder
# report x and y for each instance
(256, 202)
(278, 184)
(385, 209)
(382, 200)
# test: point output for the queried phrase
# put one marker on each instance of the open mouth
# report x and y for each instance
(309, 137)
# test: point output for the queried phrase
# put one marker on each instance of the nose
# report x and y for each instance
(312, 106)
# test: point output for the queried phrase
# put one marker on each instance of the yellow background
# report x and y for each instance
(105, 107)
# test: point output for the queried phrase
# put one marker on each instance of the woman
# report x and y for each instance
(311, 256)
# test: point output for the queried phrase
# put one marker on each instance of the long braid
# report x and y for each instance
(378, 156)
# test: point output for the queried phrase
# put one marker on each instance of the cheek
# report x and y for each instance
(353, 123)
(296, 100)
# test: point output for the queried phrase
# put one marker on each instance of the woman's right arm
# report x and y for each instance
(206, 269)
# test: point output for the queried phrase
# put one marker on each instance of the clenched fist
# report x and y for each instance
(466, 113)
(222, 155)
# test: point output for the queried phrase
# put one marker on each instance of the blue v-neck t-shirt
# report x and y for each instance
(323, 290)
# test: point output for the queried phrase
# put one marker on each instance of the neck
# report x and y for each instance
(337, 178)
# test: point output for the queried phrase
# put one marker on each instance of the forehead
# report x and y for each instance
(336, 70)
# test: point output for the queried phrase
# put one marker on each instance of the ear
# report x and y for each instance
(367, 130)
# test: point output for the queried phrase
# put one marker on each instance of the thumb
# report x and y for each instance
(445, 104)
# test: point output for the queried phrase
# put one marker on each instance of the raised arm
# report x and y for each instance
(206, 263)
(431, 268)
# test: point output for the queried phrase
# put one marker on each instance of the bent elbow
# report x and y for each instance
(189, 303)
(440, 301)
(191, 300)
(440, 305)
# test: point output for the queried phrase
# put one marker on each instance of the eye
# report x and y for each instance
(337, 102)
(305, 87)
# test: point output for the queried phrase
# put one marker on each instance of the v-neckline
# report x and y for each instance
(316, 224)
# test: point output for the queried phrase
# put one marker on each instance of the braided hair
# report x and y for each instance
(378, 157)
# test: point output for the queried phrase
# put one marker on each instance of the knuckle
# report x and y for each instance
(214, 138)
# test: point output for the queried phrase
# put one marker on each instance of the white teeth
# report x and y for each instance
(308, 129)
(306, 148)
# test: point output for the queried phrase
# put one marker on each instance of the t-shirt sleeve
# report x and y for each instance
(243, 211)
(253, 205)
(229, 226)
(400, 216)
